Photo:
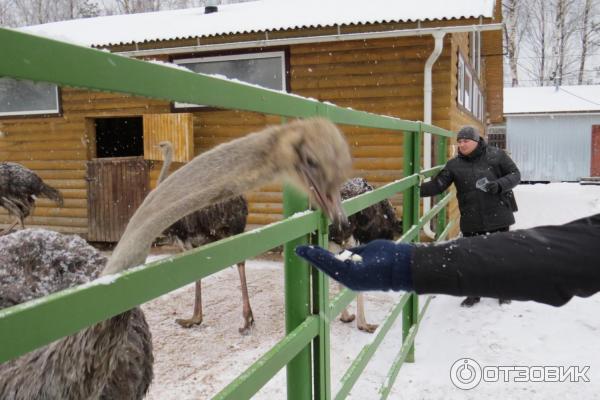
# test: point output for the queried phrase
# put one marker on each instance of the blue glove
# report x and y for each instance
(382, 265)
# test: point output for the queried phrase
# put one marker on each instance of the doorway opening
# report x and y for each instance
(119, 137)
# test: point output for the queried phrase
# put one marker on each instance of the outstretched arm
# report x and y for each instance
(437, 184)
(548, 264)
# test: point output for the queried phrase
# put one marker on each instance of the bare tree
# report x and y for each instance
(137, 6)
(588, 35)
(538, 39)
(513, 15)
(565, 27)
(7, 17)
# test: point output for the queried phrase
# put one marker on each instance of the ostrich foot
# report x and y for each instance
(188, 323)
(369, 328)
(248, 325)
(347, 317)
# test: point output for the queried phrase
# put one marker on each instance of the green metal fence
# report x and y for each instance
(308, 309)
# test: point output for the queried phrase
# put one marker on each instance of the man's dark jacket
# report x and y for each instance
(479, 211)
(547, 264)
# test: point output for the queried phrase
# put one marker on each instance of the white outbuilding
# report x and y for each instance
(553, 133)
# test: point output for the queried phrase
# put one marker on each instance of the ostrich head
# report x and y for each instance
(312, 146)
(165, 147)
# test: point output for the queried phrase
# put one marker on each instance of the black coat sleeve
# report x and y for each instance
(438, 184)
(510, 174)
(548, 264)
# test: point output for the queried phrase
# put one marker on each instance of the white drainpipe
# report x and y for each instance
(427, 106)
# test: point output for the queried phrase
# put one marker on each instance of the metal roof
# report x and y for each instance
(255, 16)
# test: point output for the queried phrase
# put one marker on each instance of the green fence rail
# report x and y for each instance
(305, 350)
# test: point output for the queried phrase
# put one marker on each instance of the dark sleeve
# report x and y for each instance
(548, 264)
(437, 184)
(510, 174)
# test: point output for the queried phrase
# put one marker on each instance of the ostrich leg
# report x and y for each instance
(7, 230)
(346, 316)
(197, 317)
(247, 310)
(361, 321)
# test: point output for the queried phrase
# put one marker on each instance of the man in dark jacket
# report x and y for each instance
(547, 264)
(484, 177)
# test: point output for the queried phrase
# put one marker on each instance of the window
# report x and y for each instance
(263, 69)
(470, 96)
(21, 97)
(482, 108)
(467, 91)
(475, 49)
(461, 80)
(475, 101)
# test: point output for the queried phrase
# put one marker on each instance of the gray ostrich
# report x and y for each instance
(375, 222)
(215, 222)
(112, 359)
(19, 186)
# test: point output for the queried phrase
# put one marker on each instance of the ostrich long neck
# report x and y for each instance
(167, 161)
(221, 173)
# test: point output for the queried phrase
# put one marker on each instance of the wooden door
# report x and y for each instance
(595, 164)
(116, 188)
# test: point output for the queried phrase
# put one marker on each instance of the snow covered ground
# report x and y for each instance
(198, 362)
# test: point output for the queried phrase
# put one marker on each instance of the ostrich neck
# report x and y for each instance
(224, 172)
(167, 161)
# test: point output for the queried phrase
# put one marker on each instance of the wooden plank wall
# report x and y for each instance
(57, 149)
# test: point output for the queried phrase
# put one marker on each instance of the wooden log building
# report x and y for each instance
(98, 148)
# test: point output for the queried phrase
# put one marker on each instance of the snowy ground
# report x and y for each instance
(198, 362)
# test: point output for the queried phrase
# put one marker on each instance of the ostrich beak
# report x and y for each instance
(328, 199)
(332, 206)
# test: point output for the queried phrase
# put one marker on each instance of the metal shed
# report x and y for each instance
(550, 131)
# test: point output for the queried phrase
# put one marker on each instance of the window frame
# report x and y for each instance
(474, 92)
(176, 106)
(461, 80)
(468, 91)
(475, 52)
(35, 113)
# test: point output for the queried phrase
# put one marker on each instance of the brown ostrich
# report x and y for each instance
(113, 359)
(215, 222)
(375, 222)
(19, 186)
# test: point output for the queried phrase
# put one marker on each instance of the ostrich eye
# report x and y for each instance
(311, 162)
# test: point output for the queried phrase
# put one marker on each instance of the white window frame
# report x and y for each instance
(461, 80)
(53, 111)
(468, 91)
(244, 56)
(476, 101)
(475, 50)
(482, 108)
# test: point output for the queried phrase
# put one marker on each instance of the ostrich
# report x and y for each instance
(375, 222)
(210, 224)
(112, 359)
(19, 187)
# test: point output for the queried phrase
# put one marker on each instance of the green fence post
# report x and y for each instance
(441, 157)
(410, 216)
(321, 344)
(297, 300)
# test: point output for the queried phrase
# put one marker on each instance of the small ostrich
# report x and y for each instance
(215, 222)
(19, 187)
(375, 222)
(113, 359)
